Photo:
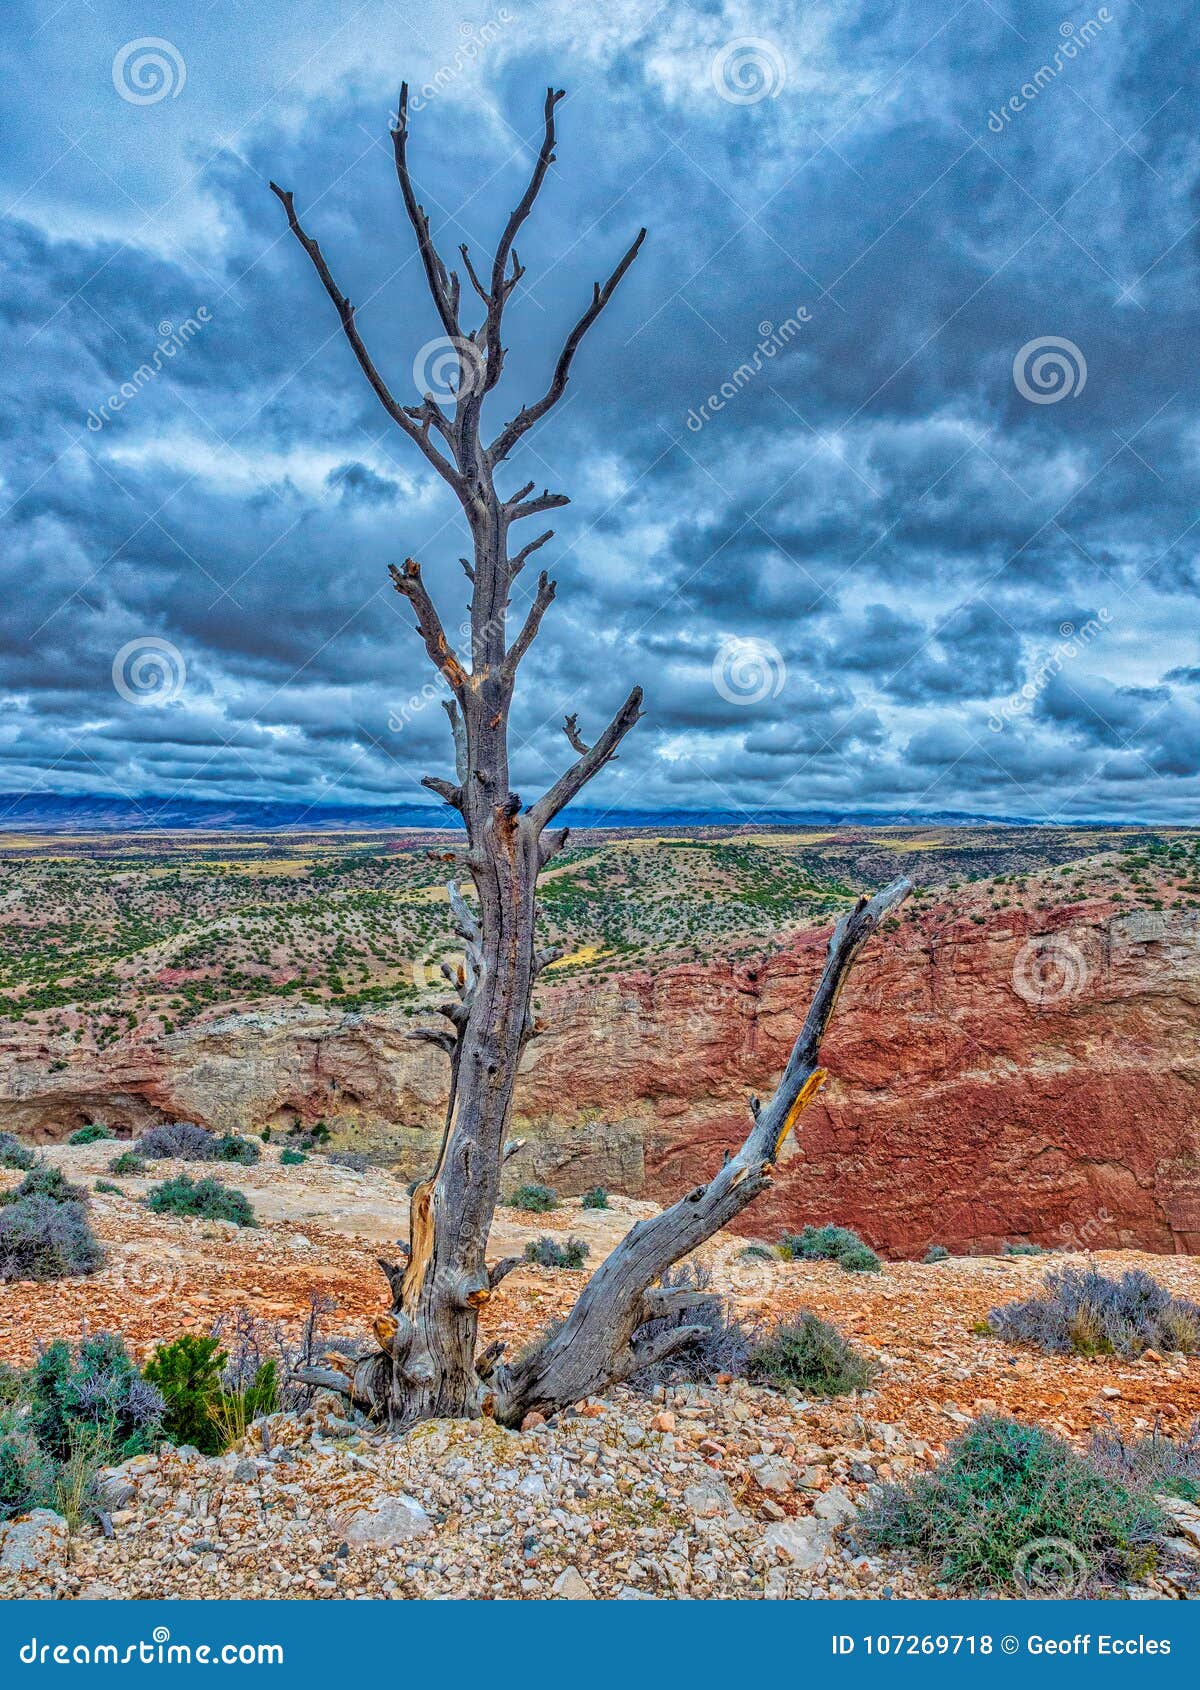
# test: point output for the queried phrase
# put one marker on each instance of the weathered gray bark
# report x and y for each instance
(427, 1364)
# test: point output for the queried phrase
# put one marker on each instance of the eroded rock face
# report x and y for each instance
(962, 1108)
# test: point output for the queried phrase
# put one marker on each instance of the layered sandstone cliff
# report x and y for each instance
(1025, 1076)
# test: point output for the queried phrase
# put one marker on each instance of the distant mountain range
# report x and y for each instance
(99, 813)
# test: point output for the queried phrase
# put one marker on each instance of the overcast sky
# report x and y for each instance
(934, 547)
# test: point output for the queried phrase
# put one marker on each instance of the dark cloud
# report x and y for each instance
(796, 433)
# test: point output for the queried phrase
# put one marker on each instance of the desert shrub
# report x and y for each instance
(291, 1158)
(42, 1239)
(235, 1410)
(1024, 1249)
(937, 1253)
(12, 1385)
(1082, 1312)
(92, 1395)
(48, 1182)
(757, 1253)
(549, 1253)
(90, 1134)
(207, 1199)
(187, 1372)
(811, 1355)
(128, 1162)
(535, 1199)
(1155, 1461)
(108, 1186)
(1001, 1487)
(231, 1147)
(597, 1198)
(181, 1141)
(720, 1345)
(830, 1244)
(27, 1473)
(352, 1159)
(14, 1154)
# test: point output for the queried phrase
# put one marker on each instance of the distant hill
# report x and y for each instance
(101, 813)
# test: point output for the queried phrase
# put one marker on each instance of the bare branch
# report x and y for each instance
(409, 585)
(571, 729)
(543, 598)
(516, 564)
(345, 311)
(578, 775)
(459, 731)
(443, 284)
(502, 1269)
(530, 414)
(445, 789)
(502, 285)
(518, 509)
(434, 1036)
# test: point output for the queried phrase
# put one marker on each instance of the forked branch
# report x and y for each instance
(599, 1340)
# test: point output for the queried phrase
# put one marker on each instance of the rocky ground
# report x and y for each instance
(722, 1491)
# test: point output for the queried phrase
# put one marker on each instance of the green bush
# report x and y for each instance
(1003, 1487)
(597, 1198)
(27, 1473)
(830, 1244)
(128, 1162)
(92, 1395)
(14, 1154)
(937, 1253)
(549, 1253)
(43, 1239)
(535, 1199)
(206, 1199)
(291, 1158)
(231, 1147)
(757, 1253)
(811, 1355)
(90, 1134)
(187, 1371)
(45, 1181)
(108, 1186)
(1024, 1250)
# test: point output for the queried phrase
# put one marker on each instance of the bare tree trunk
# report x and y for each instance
(427, 1364)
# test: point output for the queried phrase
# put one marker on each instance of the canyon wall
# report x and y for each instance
(1020, 1077)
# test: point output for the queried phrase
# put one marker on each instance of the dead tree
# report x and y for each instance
(427, 1363)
